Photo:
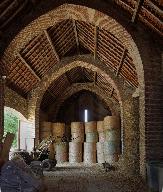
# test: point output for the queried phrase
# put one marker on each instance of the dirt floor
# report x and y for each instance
(79, 178)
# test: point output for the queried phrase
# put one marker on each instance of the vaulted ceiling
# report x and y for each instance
(79, 76)
(147, 11)
(68, 38)
(72, 37)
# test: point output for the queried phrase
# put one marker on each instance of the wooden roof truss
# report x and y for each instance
(47, 49)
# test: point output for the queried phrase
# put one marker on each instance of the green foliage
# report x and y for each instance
(11, 125)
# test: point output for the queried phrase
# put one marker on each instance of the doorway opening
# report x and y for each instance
(86, 115)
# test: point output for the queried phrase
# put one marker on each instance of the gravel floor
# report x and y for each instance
(80, 178)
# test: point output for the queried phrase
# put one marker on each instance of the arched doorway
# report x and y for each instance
(15, 122)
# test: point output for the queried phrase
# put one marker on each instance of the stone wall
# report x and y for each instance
(15, 101)
(123, 91)
(65, 65)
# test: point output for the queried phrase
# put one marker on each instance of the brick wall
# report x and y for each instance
(150, 49)
(124, 90)
(154, 107)
(154, 120)
(15, 101)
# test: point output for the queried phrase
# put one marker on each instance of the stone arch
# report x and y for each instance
(115, 110)
(82, 13)
(18, 103)
(68, 64)
(16, 112)
(95, 17)
(65, 65)
(67, 11)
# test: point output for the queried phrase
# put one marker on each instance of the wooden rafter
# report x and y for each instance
(83, 75)
(51, 44)
(112, 92)
(95, 78)
(28, 66)
(95, 41)
(68, 79)
(81, 84)
(51, 93)
(136, 11)
(76, 34)
(121, 61)
(14, 14)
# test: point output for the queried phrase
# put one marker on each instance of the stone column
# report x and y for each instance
(131, 135)
(2, 104)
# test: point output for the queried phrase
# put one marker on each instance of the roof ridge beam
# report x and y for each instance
(89, 84)
(51, 44)
(28, 66)
(76, 35)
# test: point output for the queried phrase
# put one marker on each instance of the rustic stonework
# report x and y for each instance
(130, 159)
(69, 63)
(123, 92)
(145, 54)
(61, 68)
(82, 13)
(15, 101)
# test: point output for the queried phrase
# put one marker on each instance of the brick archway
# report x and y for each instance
(66, 65)
(81, 13)
(70, 63)
(95, 17)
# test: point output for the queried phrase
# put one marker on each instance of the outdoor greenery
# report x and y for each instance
(11, 125)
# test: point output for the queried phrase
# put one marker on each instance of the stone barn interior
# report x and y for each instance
(89, 75)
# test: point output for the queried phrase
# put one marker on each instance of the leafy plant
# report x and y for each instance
(11, 125)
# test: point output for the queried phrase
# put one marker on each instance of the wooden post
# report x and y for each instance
(19, 135)
(2, 105)
(7, 146)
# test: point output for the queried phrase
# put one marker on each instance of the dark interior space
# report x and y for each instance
(73, 108)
